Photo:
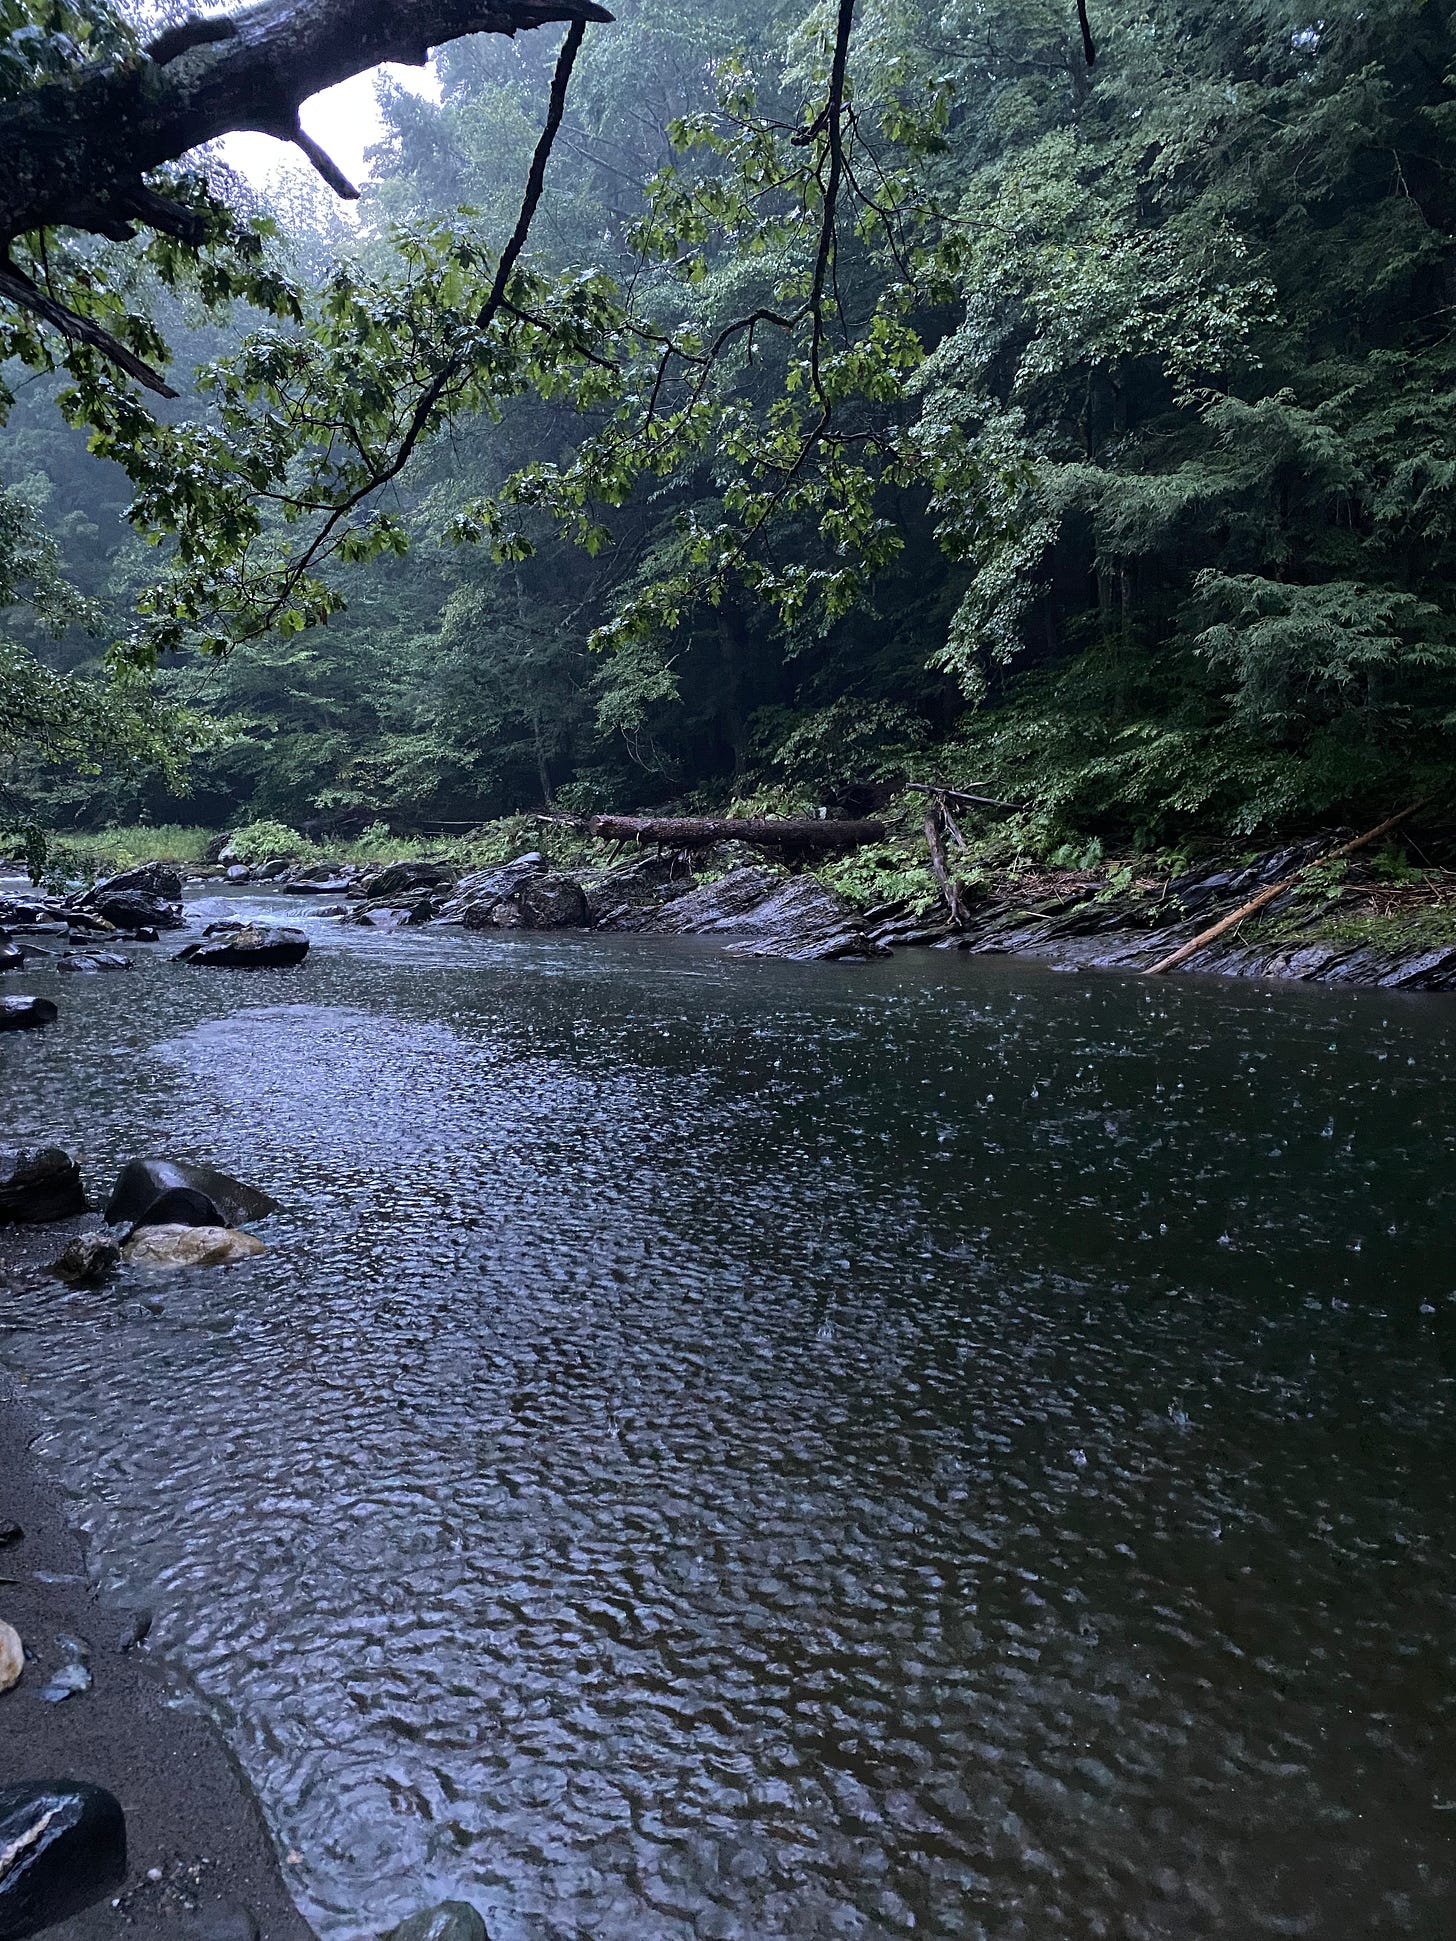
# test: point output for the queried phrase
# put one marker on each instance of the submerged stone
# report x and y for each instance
(179, 1246)
(62, 1846)
(449, 1921)
(87, 1259)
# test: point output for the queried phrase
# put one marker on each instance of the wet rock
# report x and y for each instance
(552, 902)
(26, 1013)
(73, 1678)
(721, 906)
(319, 879)
(152, 879)
(621, 898)
(9, 1533)
(239, 873)
(130, 910)
(179, 1246)
(88, 962)
(777, 915)
(62, 1846)
(255, 947)
(400, 880)
(135, 1631)
(39, 1183)
(12, 1656)
(449, 1921)
(87, 1260)
(171, 1192)
(12, 957)
(477, 894)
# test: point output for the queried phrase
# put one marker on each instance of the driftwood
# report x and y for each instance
(701, 832)
(1270, 893)
(958, 795)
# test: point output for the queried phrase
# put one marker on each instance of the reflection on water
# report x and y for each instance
(765, 1453)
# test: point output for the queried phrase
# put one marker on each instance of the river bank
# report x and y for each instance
(201, 1864)
(1382, 918)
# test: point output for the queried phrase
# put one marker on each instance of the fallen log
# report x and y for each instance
(701, 832)
(1270, 893)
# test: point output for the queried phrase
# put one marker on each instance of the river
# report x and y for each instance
(736, 1451)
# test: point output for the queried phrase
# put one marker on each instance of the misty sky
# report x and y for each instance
(343, 120)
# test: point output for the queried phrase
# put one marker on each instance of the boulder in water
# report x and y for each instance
(449, 1921)
(131, 910)
(12, 957)
(254, 947)
(62, 1846)
(26, 1013)
(40, 1183)
(477, 894)
(402, 880)
(86, 962)
(87, 1260)
(169, 1192)
(152, 879)
(186, 1246)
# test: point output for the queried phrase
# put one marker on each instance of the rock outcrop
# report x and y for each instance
(774, 915)
(39, 1183)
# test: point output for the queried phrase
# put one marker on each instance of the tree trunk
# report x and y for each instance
(76, 149)
(700, 832)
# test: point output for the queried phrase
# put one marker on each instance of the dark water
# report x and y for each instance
(769, 1453)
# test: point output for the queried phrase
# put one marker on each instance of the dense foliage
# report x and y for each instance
(1086, 432)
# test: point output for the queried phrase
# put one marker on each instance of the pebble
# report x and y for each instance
(66, 1683)
(10, 1533)
(12, 1656)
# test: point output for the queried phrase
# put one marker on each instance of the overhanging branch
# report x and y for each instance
(77, 150)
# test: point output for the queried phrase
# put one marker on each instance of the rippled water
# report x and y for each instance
(759, 1453)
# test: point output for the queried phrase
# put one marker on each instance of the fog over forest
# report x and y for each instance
(1132, 501)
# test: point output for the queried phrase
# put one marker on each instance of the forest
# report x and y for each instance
(1064, 409)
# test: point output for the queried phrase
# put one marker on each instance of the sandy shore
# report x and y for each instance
(198, 1848)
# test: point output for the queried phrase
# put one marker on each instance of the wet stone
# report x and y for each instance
(62, 1847)
(26, 1013)
(87, 1260)
(450, 1921)
(40, 1183)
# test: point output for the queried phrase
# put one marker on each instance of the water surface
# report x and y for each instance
(759, 1452)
